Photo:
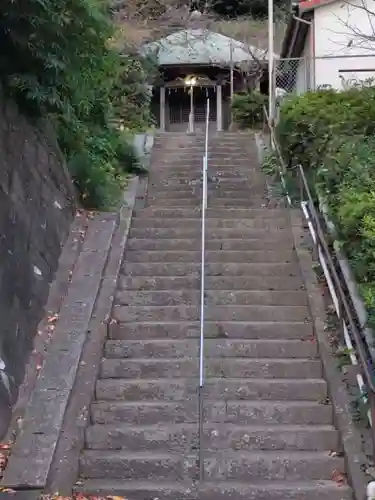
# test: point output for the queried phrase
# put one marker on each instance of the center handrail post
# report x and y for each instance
(202, 295)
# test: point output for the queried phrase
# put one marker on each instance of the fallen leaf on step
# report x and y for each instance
(52, 319)
(80, 496)
(338, 477)
(116, 498)
(3, 461)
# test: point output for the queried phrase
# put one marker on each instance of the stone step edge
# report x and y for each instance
(209, 218)
(94, 277)
(126, 427)
(107, 485)
(220, 490)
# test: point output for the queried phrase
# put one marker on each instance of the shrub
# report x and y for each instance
(56, 60)
(309, 123)
(331, 133)
(247, 109)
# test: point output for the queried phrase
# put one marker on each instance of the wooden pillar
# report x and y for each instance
(162, 109)
(219, 108)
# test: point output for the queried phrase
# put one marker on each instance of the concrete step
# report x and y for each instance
(233, 159)
(229, 256)
(184, 437)
(256, 413)
(193, 165)
(214, 329)
(193, 189)
(188, 244)
(211, 233)
(264, 213)
(194, 162)
(194, 186)
(193, 174)
(193, 169)
(187, 367)
(184, 185)
(249, 202)
(212, 297)
(162, 202)
(212, 269)
(276, 412)
(231, 155)
(214, 348)
(225, 169)
(219, 183)
(198, 150)
(139, 490)
(219, 284)
(269, 490)
(212, 313)
(225, 151)
(131, 465)
(215, 388)
(240, 466)
(211, 223)
(195, 194)
(165, 348)
(149, 412)
(271, 466)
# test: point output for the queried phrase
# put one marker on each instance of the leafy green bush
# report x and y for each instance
(56, 60)
(309, 123)
(331, 133)
(247, 109)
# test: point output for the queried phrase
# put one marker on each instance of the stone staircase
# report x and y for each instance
(268, 430)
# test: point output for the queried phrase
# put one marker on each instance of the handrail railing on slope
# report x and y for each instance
(202, 293)
(353, 335)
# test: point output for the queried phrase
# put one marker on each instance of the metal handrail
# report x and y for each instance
(202, 293)
(204, 206)
(353, 335)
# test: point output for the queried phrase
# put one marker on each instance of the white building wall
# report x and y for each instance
(338, 46)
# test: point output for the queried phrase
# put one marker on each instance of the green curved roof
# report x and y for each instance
(203, 47)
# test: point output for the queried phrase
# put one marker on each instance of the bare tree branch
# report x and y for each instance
(357, 36)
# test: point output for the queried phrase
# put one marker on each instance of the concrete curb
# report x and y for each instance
(47, 449)
(143, 144)
(352, 443)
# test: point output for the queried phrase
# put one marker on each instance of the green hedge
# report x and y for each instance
(247, 109)
(331, 134)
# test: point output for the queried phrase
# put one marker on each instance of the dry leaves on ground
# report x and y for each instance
(4, 455)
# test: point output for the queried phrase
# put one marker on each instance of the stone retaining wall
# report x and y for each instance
(36, 209)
